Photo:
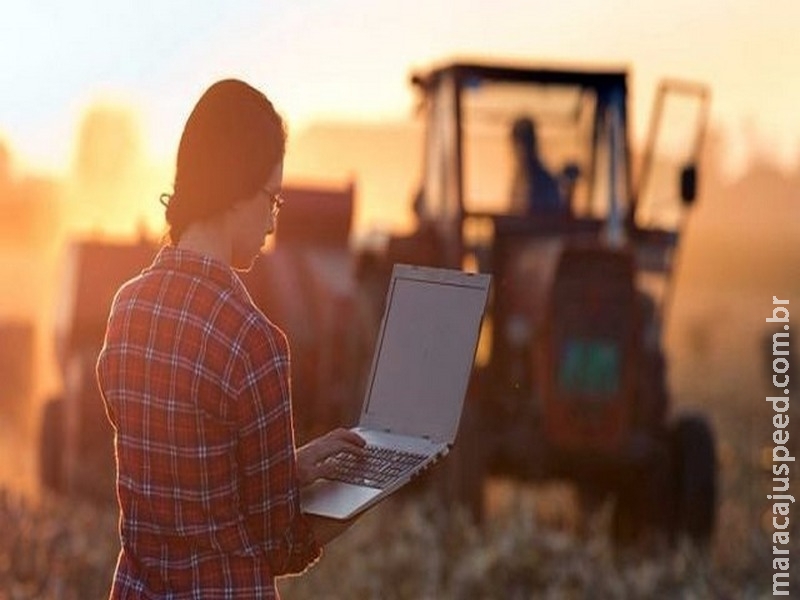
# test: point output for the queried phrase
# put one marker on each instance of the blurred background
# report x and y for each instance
(94, 97)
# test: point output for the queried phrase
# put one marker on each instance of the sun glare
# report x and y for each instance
(112, 188)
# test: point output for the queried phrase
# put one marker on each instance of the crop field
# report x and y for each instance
(413, 548)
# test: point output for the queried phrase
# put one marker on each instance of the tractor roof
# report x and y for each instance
(522, 73)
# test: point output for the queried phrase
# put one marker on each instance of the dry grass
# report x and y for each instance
(419, 551)
(55, 549)
(412, 548)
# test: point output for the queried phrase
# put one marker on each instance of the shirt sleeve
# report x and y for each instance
(269, 490)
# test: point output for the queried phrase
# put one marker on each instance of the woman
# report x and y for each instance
(195, 380)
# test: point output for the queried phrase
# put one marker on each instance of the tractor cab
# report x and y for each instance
(549, 151)
(520, 162)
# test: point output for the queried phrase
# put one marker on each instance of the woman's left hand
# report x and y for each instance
(311, 458)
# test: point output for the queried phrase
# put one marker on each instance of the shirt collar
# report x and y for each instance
(172, 258)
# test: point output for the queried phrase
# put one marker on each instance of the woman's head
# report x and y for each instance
(231, 144)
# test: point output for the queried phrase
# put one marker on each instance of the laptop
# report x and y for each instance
(415, 393)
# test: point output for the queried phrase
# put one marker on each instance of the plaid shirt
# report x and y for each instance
(195, 380)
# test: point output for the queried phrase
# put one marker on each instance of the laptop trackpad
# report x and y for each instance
(335, 499)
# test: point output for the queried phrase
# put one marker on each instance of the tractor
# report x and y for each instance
(528, 175)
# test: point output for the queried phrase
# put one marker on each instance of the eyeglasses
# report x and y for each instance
(276, 201)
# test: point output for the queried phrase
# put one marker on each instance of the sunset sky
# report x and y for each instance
(350, 59)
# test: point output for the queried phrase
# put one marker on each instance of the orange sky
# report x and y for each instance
(349, 59)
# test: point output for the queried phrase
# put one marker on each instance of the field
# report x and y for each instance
(412, 548)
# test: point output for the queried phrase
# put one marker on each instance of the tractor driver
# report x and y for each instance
(534, 190)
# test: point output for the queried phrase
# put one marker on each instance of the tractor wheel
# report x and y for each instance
(694, 478)
(626, 524)
(641, 510)
(51, 446)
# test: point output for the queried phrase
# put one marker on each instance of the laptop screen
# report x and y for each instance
(425, 350)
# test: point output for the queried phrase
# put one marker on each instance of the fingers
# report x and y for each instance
(311, 457)
(336, 441)
(347, 440)
(325, 469)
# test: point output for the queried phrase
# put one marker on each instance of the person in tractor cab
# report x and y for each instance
(534, 190)
(195, 381)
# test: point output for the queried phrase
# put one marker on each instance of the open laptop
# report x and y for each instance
(416, 388)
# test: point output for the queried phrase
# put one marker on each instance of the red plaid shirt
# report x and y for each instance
(196, 384)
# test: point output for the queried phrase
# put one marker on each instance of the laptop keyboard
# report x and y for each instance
(376, 468)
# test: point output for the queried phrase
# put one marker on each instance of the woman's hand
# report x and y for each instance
(311, 457)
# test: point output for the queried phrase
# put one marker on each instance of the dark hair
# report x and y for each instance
(232, 141)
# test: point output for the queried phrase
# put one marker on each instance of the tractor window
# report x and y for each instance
(680, 115)
(441, 200)
(497, 116)
(439, 203)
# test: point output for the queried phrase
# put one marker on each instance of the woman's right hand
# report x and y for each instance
(311, 458)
